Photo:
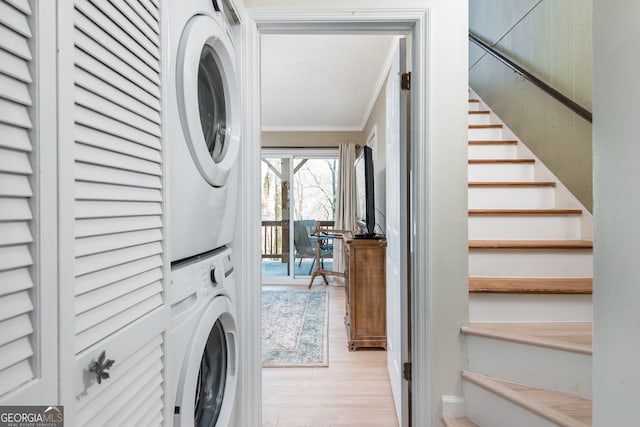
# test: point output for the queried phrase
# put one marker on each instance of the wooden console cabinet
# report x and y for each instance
(365, 291)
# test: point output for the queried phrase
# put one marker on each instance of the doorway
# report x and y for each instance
(411, 23)
(315, 96)
(299, 192)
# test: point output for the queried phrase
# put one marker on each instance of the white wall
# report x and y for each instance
(445, 186)
(616, 291)
(448, 242)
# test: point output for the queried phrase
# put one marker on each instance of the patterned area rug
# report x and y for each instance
(294, 328)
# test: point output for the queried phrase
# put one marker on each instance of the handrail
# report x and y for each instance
(567, 102)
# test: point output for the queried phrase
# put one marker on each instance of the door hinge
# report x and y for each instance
(406, 367)
(405, 81)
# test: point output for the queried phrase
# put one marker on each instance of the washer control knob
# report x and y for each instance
(217, 276)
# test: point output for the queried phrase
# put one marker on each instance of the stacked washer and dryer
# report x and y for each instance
(203, 138)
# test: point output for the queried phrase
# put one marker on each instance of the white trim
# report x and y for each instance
(380, 83)
(312, 128)
(390, 21)
(166, 218)
(66, 214)
(421, 257)
(336, 21)
(308, 153)
(373, 134)
(47, 190)
(247, 244)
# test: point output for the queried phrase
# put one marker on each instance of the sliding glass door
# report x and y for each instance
(298, 194)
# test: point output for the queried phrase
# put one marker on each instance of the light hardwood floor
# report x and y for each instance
(353, 391)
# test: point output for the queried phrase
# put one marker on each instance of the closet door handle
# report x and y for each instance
(101, 367)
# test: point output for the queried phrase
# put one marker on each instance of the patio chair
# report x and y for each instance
(305, 245)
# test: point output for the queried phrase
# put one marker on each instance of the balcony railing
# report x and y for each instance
(271, 239)
(275, 238)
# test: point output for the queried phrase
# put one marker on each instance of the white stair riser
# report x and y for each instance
(486, 409)
(520, 197)
(530, 308)
(499, 151)
(488, 134)
(524, 227)
(479, 119)
(500, 172)
(530, 263)
(536, 366)
(474, 106)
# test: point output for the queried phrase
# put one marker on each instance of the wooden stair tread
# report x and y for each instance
(458, 422)
(493, 142)
(474, 100)
(530, 244)
(513, 184)
(560, 408)
(489, 126)
(531, 285)
(492, 161)
(479, 112)
(575, 337)
(479, 212)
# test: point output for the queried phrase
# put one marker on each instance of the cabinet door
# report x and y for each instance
(28, 318)
(368, 299)
(114, 265)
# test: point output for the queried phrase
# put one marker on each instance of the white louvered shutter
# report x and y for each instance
(118, 205)
(16, 194)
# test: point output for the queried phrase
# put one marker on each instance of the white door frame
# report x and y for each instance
(391, 21)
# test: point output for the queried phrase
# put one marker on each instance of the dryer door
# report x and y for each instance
(207, 388)
(208, 98)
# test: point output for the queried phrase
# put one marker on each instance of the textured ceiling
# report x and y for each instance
(321, 82)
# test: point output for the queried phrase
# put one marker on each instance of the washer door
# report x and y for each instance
(208, 98)
(207, 388)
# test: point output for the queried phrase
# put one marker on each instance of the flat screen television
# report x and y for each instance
(365, 196)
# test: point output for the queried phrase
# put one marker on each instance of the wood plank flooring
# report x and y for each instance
(353, 391)
(458, 422)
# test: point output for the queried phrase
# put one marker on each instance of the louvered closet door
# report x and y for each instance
(118, 209)
(20, 334)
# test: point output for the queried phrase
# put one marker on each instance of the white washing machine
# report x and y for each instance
(203, 127)
(202, 358)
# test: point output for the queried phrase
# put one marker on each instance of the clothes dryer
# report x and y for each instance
(202, 355)
(203, 128)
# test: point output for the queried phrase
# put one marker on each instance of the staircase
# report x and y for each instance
(530, 265)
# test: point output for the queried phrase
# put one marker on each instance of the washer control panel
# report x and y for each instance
(220, 270)
(201, 275)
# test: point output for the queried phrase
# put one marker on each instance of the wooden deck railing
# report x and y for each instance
(274, 243)
(271, 239)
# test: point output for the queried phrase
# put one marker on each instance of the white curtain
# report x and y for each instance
(345, 208)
